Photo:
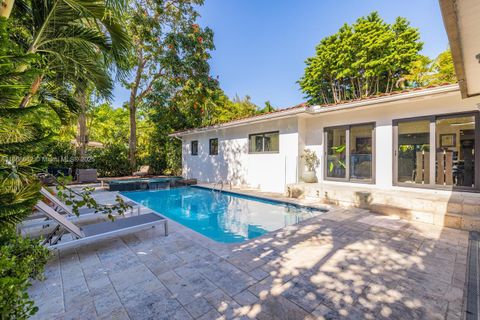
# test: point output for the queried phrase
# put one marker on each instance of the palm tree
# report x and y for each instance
(77, 41)
(18, 133)
(80, 42)
(57, 45)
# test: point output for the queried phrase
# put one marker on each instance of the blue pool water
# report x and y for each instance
(222, 216)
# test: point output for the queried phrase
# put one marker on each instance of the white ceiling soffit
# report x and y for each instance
(462, 23)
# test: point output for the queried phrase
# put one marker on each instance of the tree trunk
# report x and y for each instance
(6, 8)
(132, 107)
(360, 87)
(387, 89)
(33, 89)
(354, 93)
(324, 97)
(334, 92)
(82, 137)
(132, 142)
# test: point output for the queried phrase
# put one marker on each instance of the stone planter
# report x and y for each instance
(309, 177)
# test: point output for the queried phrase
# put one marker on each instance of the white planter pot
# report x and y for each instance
(309, 177)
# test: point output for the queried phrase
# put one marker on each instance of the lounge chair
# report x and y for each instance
(86, 175)
(144, 170)
(98, 231)
(63, 208)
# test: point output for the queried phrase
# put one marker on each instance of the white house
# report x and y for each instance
(410, 154)
(378, 153)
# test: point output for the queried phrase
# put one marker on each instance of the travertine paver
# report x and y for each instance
(348, 263)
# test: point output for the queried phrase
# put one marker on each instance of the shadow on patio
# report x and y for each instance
(346, 263)
(368, 267)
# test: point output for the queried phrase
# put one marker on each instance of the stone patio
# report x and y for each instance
(344, 264)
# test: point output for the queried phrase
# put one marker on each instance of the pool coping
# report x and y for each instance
(224, 249)
(221, 248)
(321, 207)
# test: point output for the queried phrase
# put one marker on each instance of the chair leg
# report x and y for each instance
(59, 237)
(49, 237)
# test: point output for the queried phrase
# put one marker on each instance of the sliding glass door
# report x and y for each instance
(455, 151)
(336, 150)
(414, 151)
(361, 152)
(449, 164)
(349, 153)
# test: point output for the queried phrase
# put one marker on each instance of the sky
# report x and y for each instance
(262, 45)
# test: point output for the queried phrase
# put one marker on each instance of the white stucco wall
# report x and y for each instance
(271, 172)
(383, 116)
(268, 172)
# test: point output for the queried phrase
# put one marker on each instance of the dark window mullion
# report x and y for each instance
(477, 151)
(347, 153)
(325, 154)
(395, 152)
(433, 152)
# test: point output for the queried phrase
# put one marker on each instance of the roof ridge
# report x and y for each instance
(300, 105)
(325, 105)
(386, 94)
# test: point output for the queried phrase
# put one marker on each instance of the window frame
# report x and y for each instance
(210, 147)
(191, 148)
(347, 128)
(433, 143)
(263, 142)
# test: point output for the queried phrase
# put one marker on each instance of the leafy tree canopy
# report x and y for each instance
(77, 42)
(20, 259)
(426, 71)
(366, 58)
(170, 58)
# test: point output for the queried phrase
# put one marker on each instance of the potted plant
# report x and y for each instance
(311, 162)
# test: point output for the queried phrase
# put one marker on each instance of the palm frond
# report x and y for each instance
(17, 201)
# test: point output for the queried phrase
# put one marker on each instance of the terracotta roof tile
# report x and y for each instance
(298, 106)
(381, 95)
(326, 105)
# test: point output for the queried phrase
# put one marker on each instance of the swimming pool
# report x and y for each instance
(222, 216)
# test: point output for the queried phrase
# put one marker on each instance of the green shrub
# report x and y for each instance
(165, 156)
(20, 261)
(110, 161)
(61, 154)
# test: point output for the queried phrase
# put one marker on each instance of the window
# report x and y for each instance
(349, 153)
(361, 152)
(213, 147)
(267, 142)
(414, 152)
(194, 148)
(336, 153)
(455, 151)
(437, 151)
